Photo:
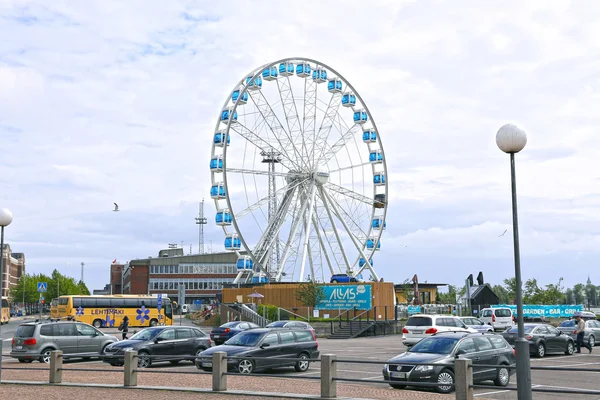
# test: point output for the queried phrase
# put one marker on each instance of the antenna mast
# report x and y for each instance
(201, 221)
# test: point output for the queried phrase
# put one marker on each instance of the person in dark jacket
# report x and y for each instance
(125, 327)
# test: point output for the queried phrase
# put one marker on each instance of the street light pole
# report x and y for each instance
(511, 140)
(6, 218)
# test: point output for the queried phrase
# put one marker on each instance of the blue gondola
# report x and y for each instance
(376, 156)
(216, 163)
(362, 262)
(236, 95)
(223, 218)
(270, 74)
(254, 85)
(259, 279)
(219, 139)
(349, 99)
(334, 85)
(369, 136)
(245, 262)
(229, 113)
(379, 179)
(360, 117)
(217, 191)
(233, 242)
(319, 75)
(371, 244)
(286, 69)
(378, 223)
(303, 70)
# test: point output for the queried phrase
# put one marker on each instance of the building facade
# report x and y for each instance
(116, 281)
(14, 268)
(202, 275)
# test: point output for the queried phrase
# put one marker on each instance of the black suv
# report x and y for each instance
(442, 349)
(275, 344)
(166, 343)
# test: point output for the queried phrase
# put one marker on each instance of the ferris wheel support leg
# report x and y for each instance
(335, 230)
(316, 224)
(313, 194)
(347, 228)
(288, 245)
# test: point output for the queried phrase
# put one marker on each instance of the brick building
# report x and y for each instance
(202, 275)
(14, 268)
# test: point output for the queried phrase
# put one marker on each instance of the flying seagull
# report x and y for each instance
(116, 207)
(503, 232)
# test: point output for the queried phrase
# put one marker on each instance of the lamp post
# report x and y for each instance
(511, 140)
(6, 218)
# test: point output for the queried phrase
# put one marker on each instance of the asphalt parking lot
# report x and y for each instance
(383, 348)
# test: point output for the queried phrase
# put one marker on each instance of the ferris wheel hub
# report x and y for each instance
(321, 177)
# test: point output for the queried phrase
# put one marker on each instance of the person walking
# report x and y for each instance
(125, 327)
(580, 331)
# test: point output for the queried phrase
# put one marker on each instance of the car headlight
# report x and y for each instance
(386, 367)
(127, 349)
(424, 368)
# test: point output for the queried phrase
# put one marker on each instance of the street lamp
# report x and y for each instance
(6, 218)
(511, 140)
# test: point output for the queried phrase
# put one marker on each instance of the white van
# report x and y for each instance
(499, 318)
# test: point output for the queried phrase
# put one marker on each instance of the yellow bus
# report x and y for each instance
(109, 311)
(5, 313)
(54, 308)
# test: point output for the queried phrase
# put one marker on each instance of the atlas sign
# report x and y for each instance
(346, 296)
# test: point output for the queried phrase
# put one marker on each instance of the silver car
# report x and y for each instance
(477, 324)
(591, 332)
(35, 340)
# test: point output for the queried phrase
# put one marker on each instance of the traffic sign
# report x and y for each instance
(159, 302)
(42, 287)
(181, 298)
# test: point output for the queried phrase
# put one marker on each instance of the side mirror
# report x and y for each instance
(156, 340)
(460, 353)
(265, 345)
(559, 333)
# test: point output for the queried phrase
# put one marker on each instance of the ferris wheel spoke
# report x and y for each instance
(358, 245)
(350, 167)
(307, 229)
(335, 230)
(323, 135)
(275, 126)
(309, 119)
(259, 172)
(350, 193)
(256, 140)
(322, 244)
(340, 143)
(292, 116)
(293, 230)
(265, 200)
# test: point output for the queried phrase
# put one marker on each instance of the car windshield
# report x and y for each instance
(528, 329)
(434, 345)
(503, 312)
(230, 325)
(249, 339)
(567, 324)
(25, 331)
(277, 324)
(146, 334)
(418, 321)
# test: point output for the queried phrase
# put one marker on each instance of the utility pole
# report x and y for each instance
(82, 264)
(201, 220)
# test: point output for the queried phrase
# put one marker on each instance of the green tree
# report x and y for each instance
(310, 294)
(449, 297)
(570, 296)
(511, 287)
(532, 294)
(57, 284)
(578, 293)
(406, 290)
(502, 294)
(554, 293)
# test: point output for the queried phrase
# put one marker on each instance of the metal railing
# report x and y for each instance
(221, 364)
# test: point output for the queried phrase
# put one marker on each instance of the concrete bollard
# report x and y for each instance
(131, 364)
(328, 375)
(56, 364)
(219, 368)
(463, 379)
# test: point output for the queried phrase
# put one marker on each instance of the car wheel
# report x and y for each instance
(502, 377)
(334, 281)
(303, 363)
(570, 348)
(97, 323)
(174, 362)
(21, 360)
(397, 386)
(144, 360)
(245, 367)
(541, 350)
(592, 341)
(46, 354)
(445, 377)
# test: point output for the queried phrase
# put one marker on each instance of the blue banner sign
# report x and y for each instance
(346, 296)
(414, 310)
(555, 311)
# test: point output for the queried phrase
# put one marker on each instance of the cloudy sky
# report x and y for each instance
(104, 101)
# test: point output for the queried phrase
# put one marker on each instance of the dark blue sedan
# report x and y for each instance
(226, 331)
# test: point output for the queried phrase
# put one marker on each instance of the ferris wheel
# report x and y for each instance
(298, 175)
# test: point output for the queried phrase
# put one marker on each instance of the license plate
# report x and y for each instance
(417, 332)
(401, 375)
(207, 364)
(216, 336)
(18, 347)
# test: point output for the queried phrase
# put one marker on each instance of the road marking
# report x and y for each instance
(576, 365)
(489, 393)
(371, 377)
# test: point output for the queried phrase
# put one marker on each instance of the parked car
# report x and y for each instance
(291, 324)
(275, 344)
(591, 332)
(441, 349)
(35, 340)
(477, 324)
(167, 343)
(543, 339)
(342, 278)
(419, 326)
(500, 318)
(226, 331)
